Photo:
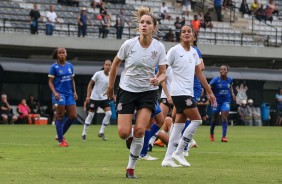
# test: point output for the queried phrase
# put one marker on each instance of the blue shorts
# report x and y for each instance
(225, 106)
(64, 100)
(157, 110)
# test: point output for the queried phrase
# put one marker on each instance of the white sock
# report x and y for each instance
(174, 139)
(105, 121)
(135, 150)
(87, 122)
(187, 135)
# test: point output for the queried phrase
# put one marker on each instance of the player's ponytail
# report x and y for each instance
(55, 54)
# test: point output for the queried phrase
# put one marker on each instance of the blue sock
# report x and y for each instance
(154, 129)
(187, 123)
(224, 129)
(212, 128)
(144, 150)
(67, 123)
(59, 129)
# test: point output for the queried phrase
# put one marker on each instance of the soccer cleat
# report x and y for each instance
(169, 163)
(83, 137)
(147, 157)
(211, 137)
(102, 136)
(130, 174)
(128, 142)
(224, 139)
(185, 153)
(193, 144)
(180, 159)
(159, 143)
(63, 144)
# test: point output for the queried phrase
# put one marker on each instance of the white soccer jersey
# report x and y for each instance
(183, 65)
(101, 84)
(168, 81)
(140, 64)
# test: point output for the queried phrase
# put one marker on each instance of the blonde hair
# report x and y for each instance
(144, 11)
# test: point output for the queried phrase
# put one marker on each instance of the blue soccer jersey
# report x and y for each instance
(62, 78)
(221, 89)
(197, 84)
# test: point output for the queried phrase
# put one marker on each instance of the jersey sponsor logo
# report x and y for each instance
(154, 54)
(188, 102)
(119, 107)
(56, 66)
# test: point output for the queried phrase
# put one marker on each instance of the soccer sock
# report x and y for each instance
(188, 135)
(173, 139)
(135, 150)
(212, 128)
(105, 121)
(67, 123)
(187, 123)
(59, 129)
(144, 150)
(224, 129)
(154, 129)
(87, 122)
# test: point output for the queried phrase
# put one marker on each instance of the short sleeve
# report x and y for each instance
(52, 72)
(162, 59)
(212, 81)
(123, 51)
(72, 69)
(197, 58)
(170, 56)
(95, 77)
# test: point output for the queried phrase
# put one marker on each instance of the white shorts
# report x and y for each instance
(186, 8)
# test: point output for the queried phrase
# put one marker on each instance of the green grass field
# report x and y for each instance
(29, 154)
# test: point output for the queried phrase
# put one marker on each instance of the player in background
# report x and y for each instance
(222, 88)
(96, 98)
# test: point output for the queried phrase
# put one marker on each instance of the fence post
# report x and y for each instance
(4, 26)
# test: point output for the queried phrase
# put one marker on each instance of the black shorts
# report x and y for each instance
(10, 116)
(165, 102)
(128, 102)
(183, 102)
(94, 104)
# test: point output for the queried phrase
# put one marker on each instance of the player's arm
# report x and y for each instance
(164, 87)
(74, 89)
(112, 77)
(51, 85)
(89, 89)
(232, 92)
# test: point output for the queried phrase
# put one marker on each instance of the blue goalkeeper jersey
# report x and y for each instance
(197, 84)
(221, 89)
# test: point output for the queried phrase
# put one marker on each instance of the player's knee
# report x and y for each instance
(72, 116)
(123, 134)
(139, 132)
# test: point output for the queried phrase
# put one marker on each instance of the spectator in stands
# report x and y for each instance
(268, 14)
(73, 3)
(201, 18)
(82, 23)
(96, 3)
(260, 14)
(169, 36)
(6, 111)
(186, 7)
(227, 3)
(278, 98)
(196, 24)
(164, 11)
(34, 105)
(121, 19)
(51, 20)
(243, 112)
(183, 21)
(177, 25)
(217, 7)
(34, 15)
(272, 6)
(208, 20)
(104, 10)
(105, 26)
(244, 8)
(255, 6)
(25, 113)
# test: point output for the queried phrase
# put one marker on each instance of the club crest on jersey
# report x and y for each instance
(69, 70)
(60, 71)
(189, 102)
(119, 106)
(154, 54)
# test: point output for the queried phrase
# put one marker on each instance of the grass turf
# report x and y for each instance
(29, 154)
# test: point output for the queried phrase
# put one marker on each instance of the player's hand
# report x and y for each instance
(154, 81)
(57, 96)
(169, 100)
(75, 96)
(110, 93)
(212, 99)
(87, 99)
